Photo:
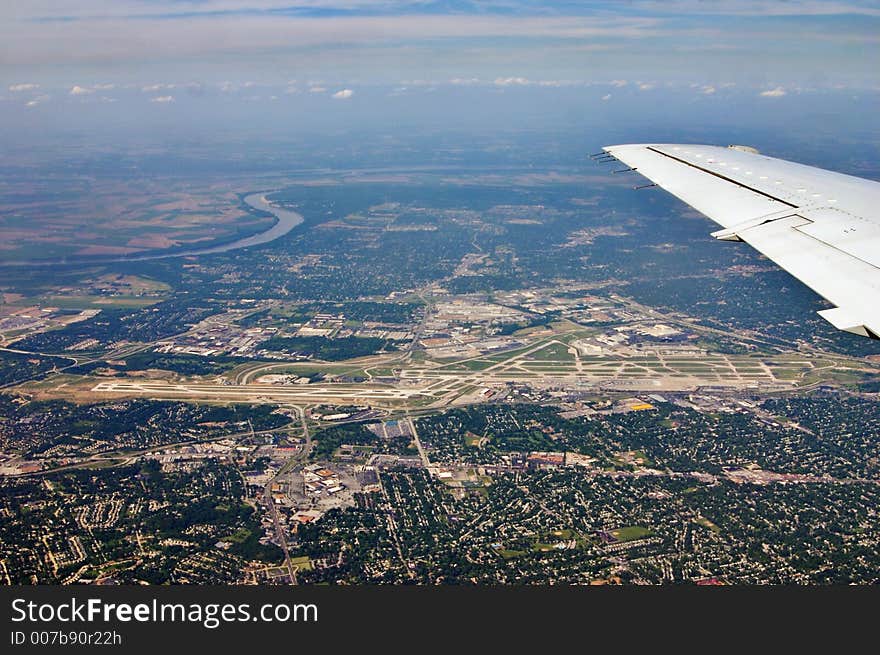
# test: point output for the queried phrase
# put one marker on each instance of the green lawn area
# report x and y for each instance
(510, 554)
(631, 533)
(97, 302)
(562, 534)
(239, 537)
(468, 365)
(477, 364)
(382, 371)
(787, 373)
(547, 541)
(101, 464)
(553, 352)
(308, 369)
(840, 376)
(302, 563)
(503, 356)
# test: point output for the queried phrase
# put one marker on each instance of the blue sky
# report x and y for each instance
(143, 57)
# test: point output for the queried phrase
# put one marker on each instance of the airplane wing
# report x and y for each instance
(820, 226)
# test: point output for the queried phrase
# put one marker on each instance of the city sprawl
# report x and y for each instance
(469, 377)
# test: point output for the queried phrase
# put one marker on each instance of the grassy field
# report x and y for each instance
(98, 302)
(305, 369)
(382, 371)
(554, 352)
(510, 554)
(468, 365)
(504, 356)
(302, 563)
(631, 533)
(239, 537)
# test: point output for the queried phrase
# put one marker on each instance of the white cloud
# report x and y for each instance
(108, 40)
(606, 97)
(39, 100)
(80, 91)
(23, 87)
(162, 99)
(96, 33)
(317, 89)
(707, 90)
(124, 30)
(344, 94)
(511, 81)
(464, 81)
(167, 86)
(645, 86)
(778, 92)
(619, 83)
(104, 87)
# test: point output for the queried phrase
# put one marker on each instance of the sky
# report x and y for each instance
(209, 62)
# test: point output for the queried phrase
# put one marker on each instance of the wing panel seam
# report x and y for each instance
(723, 177)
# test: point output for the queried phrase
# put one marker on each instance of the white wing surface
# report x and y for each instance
(820, 226)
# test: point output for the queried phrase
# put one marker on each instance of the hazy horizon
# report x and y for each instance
(138, 74)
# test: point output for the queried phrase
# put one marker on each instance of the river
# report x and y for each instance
(287, 220)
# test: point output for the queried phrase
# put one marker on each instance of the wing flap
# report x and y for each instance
(844, 231)
(844, 319)
(848, 282)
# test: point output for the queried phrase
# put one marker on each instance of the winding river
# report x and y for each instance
(287, 220)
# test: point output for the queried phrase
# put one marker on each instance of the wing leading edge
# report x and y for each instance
(820, 226)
